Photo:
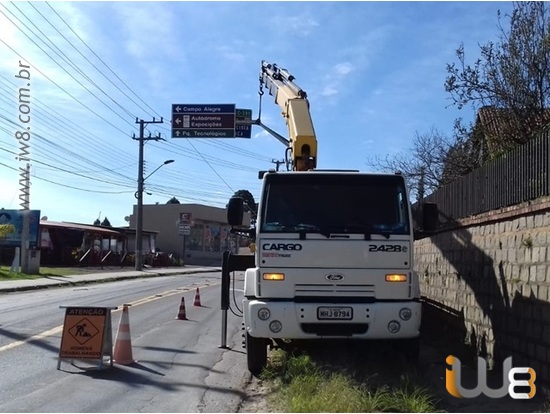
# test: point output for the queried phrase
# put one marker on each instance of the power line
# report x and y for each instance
(72, 153)
(105, 64)
(63, 89)
(69, 62)
(88, 60)
(69, 186)
(50, 116)
(171, 148)
(95, 179)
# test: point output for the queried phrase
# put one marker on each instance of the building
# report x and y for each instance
(76, 244)
(196, 232)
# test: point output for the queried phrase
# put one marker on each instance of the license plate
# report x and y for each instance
(334, 312)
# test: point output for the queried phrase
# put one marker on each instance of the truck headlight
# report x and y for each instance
(405, 314)
(275, 326)
(394, 327)
(264, 314)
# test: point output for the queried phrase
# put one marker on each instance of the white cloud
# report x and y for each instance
(48, 67)
(303, 25)
(343, 69)
(261, 134)
(231, 55)
(9, 194)
(151, 36)
(149, 28)
(329, 91)
(335, 79)
(8, 31)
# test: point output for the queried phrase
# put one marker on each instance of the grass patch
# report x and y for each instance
(5, 273)
(299, 385)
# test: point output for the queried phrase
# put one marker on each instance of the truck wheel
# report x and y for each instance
(256, 354)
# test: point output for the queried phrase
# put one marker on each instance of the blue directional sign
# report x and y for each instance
(243, 127)
(203, 121)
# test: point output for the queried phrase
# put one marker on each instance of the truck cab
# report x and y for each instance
(333, 259)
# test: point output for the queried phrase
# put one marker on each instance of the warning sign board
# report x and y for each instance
(83, 332)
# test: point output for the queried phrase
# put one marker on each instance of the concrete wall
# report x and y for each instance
(488, 279)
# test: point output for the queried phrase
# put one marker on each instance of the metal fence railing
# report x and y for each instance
(517, 176)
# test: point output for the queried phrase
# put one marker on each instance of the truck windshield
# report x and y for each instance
(335, 203)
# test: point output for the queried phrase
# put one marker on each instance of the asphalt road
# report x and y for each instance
(179, 365)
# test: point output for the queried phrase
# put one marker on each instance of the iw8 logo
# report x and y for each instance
(509, 381)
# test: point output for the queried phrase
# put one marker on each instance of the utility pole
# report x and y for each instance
(25, 211)
(277, 162)
(139, 192)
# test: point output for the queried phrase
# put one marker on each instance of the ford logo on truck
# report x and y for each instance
(282, 246)
(334, 277)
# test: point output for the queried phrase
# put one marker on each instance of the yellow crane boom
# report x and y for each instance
(295, 106)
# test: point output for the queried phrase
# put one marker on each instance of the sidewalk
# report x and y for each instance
(7, 286)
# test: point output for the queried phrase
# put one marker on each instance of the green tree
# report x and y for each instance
(106, 222)
(508, 85)
(432, 160)
(97, 222)
(512, 76)
(173, 200)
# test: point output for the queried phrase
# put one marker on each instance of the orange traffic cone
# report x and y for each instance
(181, 313)
(122, 353)
(197, 301)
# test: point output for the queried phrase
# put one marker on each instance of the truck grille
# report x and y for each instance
(308, 291)
(332, 289)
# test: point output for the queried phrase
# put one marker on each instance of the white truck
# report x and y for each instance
(333, 249)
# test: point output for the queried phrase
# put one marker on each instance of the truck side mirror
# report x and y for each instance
(235, 211)
(430, 217)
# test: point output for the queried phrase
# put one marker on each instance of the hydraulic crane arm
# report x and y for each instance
(293, 101)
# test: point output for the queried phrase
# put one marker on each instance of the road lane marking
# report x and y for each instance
(42, 335)
(148, 299)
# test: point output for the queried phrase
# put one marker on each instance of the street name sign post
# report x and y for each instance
(243, 121)
(203, 120)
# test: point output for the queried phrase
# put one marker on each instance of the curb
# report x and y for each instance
(106, 279)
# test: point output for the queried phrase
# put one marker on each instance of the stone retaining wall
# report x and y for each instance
(489, 277)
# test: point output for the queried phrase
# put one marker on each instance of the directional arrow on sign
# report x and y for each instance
(205, 121)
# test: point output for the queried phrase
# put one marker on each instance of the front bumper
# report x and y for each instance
(303, 320)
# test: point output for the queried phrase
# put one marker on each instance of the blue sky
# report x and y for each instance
(374, 73)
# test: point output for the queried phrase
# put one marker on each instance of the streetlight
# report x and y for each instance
(156, 169)
(139, 227)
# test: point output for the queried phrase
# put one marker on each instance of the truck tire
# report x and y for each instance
(256, 354)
